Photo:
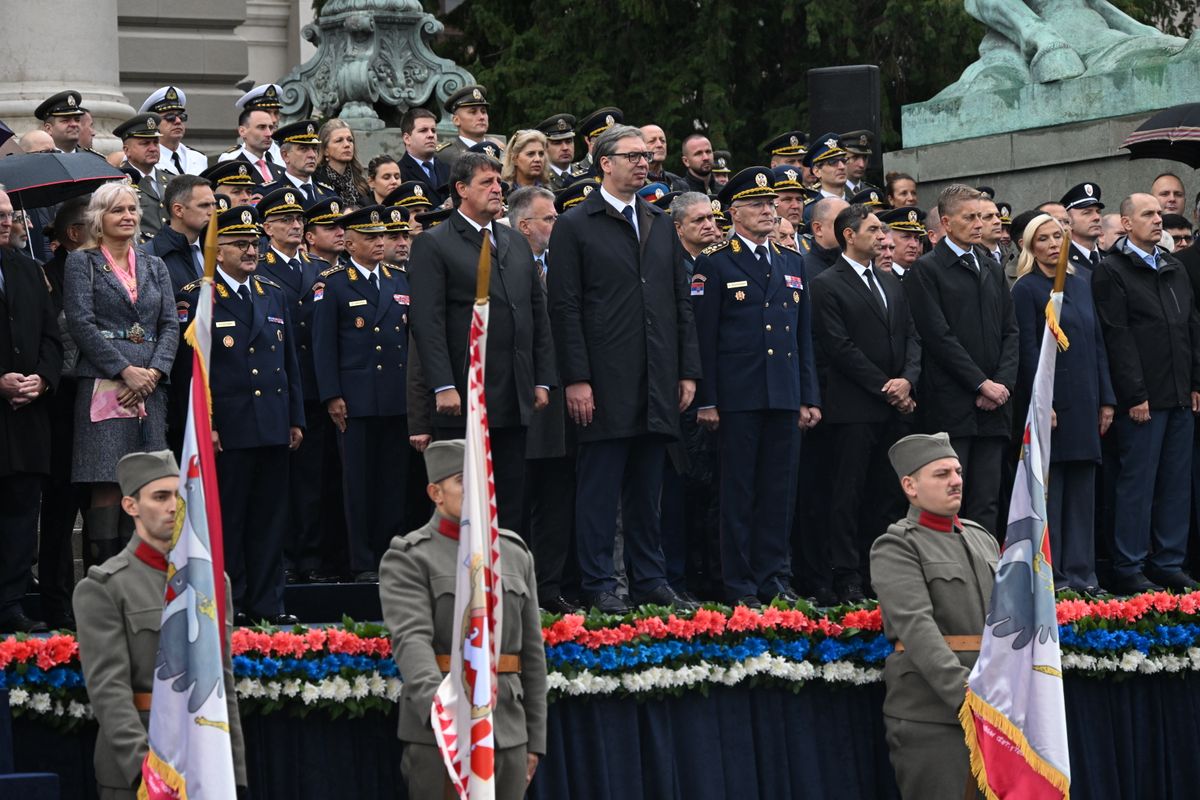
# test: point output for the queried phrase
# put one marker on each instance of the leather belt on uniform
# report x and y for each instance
(509, 662)
(135, 333)
(966, 643)
(141, 700)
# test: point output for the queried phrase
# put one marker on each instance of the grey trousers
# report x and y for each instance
(425, 773)
(930, 759)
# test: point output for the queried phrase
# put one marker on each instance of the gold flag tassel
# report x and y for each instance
(1060, 281)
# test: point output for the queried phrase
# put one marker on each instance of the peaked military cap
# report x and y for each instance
(574, 194)
(444, 459)
(431, 219)
(871, 198)
(63, 104)
(473, 95)
(264, 97)
(721, 161)
(905, 218)
(1082, 196)
(164, 99)
(396, 219)
(288, 200)
(234, 172)
(558, 127)
(135, 470)
(791, 143)
(857, 142)
(239, 219)
(368, 219)
(652, 191)
(224, 202)
(916, 450)
(300, 132)
(601, 120)
(664, 201)
(788, 179)
(324, 212)
(410, 194)
(750, 183)
(134, 178)
(487, 147)
(987, 192)
(824, 148)
(142, 126)
(1005, 210)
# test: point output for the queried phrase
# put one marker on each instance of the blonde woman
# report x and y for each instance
(1083, 398)
(338, 166)
(120, 310)
(525, 159)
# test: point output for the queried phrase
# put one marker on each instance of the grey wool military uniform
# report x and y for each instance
(417, 579)
(118, 606)
(931, 583)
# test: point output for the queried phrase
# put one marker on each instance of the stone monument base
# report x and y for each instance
(368, 144)
(1029, 167)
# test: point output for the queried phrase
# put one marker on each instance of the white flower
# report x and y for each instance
(394, 687)
(291, 687)
(310, 694)
(40, 703)
(361, 687)
(78, 710)
(377, 685)
(273, 690)
(18, 697)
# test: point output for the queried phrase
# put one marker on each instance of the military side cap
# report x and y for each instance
(558, 127)
(869, 198)
(1082, 196)
(431, 219)
(239, 219)
(164, 99)
(472, 95)
(142, 126)
(1005, 210)
(369, 219)
(410, 194)
(488, 148)
(748, 184)
(987, 192)
(906, 218)
(574, 194)
(288, 200)
(652, 191)
(791, 143)
(915, 451)
(444, 459)
(63, 104)
(135, 470)
(788, 179)
(301, 132)
(396, 219)
(601, 120)
(324, 212)
(856, 142)
(823, 148)
(235, 172)
(264, 97)
(721, 161)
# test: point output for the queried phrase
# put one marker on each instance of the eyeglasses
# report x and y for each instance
(634, 156)
(549, 219)
(242, 245)
(1183, 238)
(180, 116)
(286, 219)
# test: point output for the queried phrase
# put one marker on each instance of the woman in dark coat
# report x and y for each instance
(120, 310)
(1083, 399)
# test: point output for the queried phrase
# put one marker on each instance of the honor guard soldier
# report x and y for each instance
(257, 414)
(592, 126)
(237, 180)
(119, 607)
(264, 97)
(560, 136)
(857, 145)
(908, 232)
(300, 145)
(468, 109)
(416, 590)
(360, 347)
(933, 573)
(721, 169)
(175, 157)
(1083, 206)
(61, 116)
(751, 298)
(139, 137)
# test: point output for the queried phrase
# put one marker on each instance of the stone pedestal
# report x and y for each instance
(54, 45)
(369, 144)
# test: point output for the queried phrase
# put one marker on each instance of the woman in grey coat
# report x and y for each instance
(120, 310)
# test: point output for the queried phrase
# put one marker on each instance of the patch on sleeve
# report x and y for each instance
(181, 310)
(698, 285)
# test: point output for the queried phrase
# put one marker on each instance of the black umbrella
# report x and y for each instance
(1173, 134)
(37, 180)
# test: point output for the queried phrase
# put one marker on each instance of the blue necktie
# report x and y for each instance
(428, 167)
(294, 264)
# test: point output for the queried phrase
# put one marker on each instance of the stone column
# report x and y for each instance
(268, 37)
(54, 45)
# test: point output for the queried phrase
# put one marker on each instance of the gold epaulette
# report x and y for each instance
(712, 248)
(267, 281)
(193, 286)
(335, 268)
(442, 147)
(234, 149)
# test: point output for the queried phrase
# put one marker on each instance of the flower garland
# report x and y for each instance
(348, 669)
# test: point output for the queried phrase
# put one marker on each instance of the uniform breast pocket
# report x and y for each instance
(947, 580)
(146, 620)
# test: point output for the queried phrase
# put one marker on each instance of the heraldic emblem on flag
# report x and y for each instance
(191, 752)
(1014, 716)
(464, 704)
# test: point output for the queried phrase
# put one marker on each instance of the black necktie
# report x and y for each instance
(761, 253)
(178, 164)
(627, 211)
(374, 281)
(1095, 259)
(294, 263)
(198, 257)
(875, 290)
(244, 293)
(428, 167)
(308, 191)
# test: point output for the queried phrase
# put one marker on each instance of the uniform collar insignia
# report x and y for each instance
(939, 523)
(151, 557)
(448, 528)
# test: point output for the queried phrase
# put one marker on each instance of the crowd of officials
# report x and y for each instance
(693, 378)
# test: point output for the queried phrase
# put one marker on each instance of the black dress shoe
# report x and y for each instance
(367, 576)
(285, 620)
(319, 576)
(560, 605)
(691, 598)
(665, 596)
(850, 593)
(1136, 583)
(63, 621)
(242, 620)
(18, 622)
(749, 601)
(1176, 581)
(609, 603)
(1095, 593)
(823, 597)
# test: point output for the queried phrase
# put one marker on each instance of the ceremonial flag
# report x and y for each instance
(191, 752)
(1014, 717)
(466, 700)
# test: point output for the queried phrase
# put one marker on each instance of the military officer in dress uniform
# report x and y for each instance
(237, 180)
(1083, 206)
(592, 126)
(264, 97)
(859, 150)
(299, 145)
(61, 116)
(139, 136)
(933, 573)
(721, 169)
(827, 160)
(786, 149)
(170, 103)
(560, 135)
(468, 108)
(360, 349)
(751, 298)
(416, 590)
(119, 607)
(907, 225)
(793, 197)
(257, 415)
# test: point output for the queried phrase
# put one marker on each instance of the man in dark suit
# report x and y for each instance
(964, 315)
(520, 353)
(751, 300)
(30, 362)
(872, 361)
(258, 414)
(418, 127)
(628, 357)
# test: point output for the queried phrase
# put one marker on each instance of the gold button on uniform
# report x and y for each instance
(258, 393)
(254, 371)
(770, 352)
(768, 327)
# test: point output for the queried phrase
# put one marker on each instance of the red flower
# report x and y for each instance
(864, 619)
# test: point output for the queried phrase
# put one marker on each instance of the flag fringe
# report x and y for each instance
(1059, 334)
(166, 773)
(975, 705)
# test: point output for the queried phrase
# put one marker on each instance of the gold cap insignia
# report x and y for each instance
(1087, 187)
(270, 92)
(397, 216)
(912, 216)
(311, 129)
(587, 190)
(721, 163)
(562, 125)
(476, 94)
(242, 169)
(716, 207)
(222, 204)
(658, 193)
(761, 180)
(247, 218)
(418, 191)
(289, 198)
(71, 100)
(874, 197)
(608, 120)
(172, 94)
(334, 208)
(150, 123)
(792, 175)
(794, 141)
(374, 216)
(863, 141)
(831, 143)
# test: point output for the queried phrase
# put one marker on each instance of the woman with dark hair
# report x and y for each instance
(901, 189)
(383, 176)
(338, 166)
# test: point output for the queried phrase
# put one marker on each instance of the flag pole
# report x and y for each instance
(216, 540)
(484, 274)
(1060, 269)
